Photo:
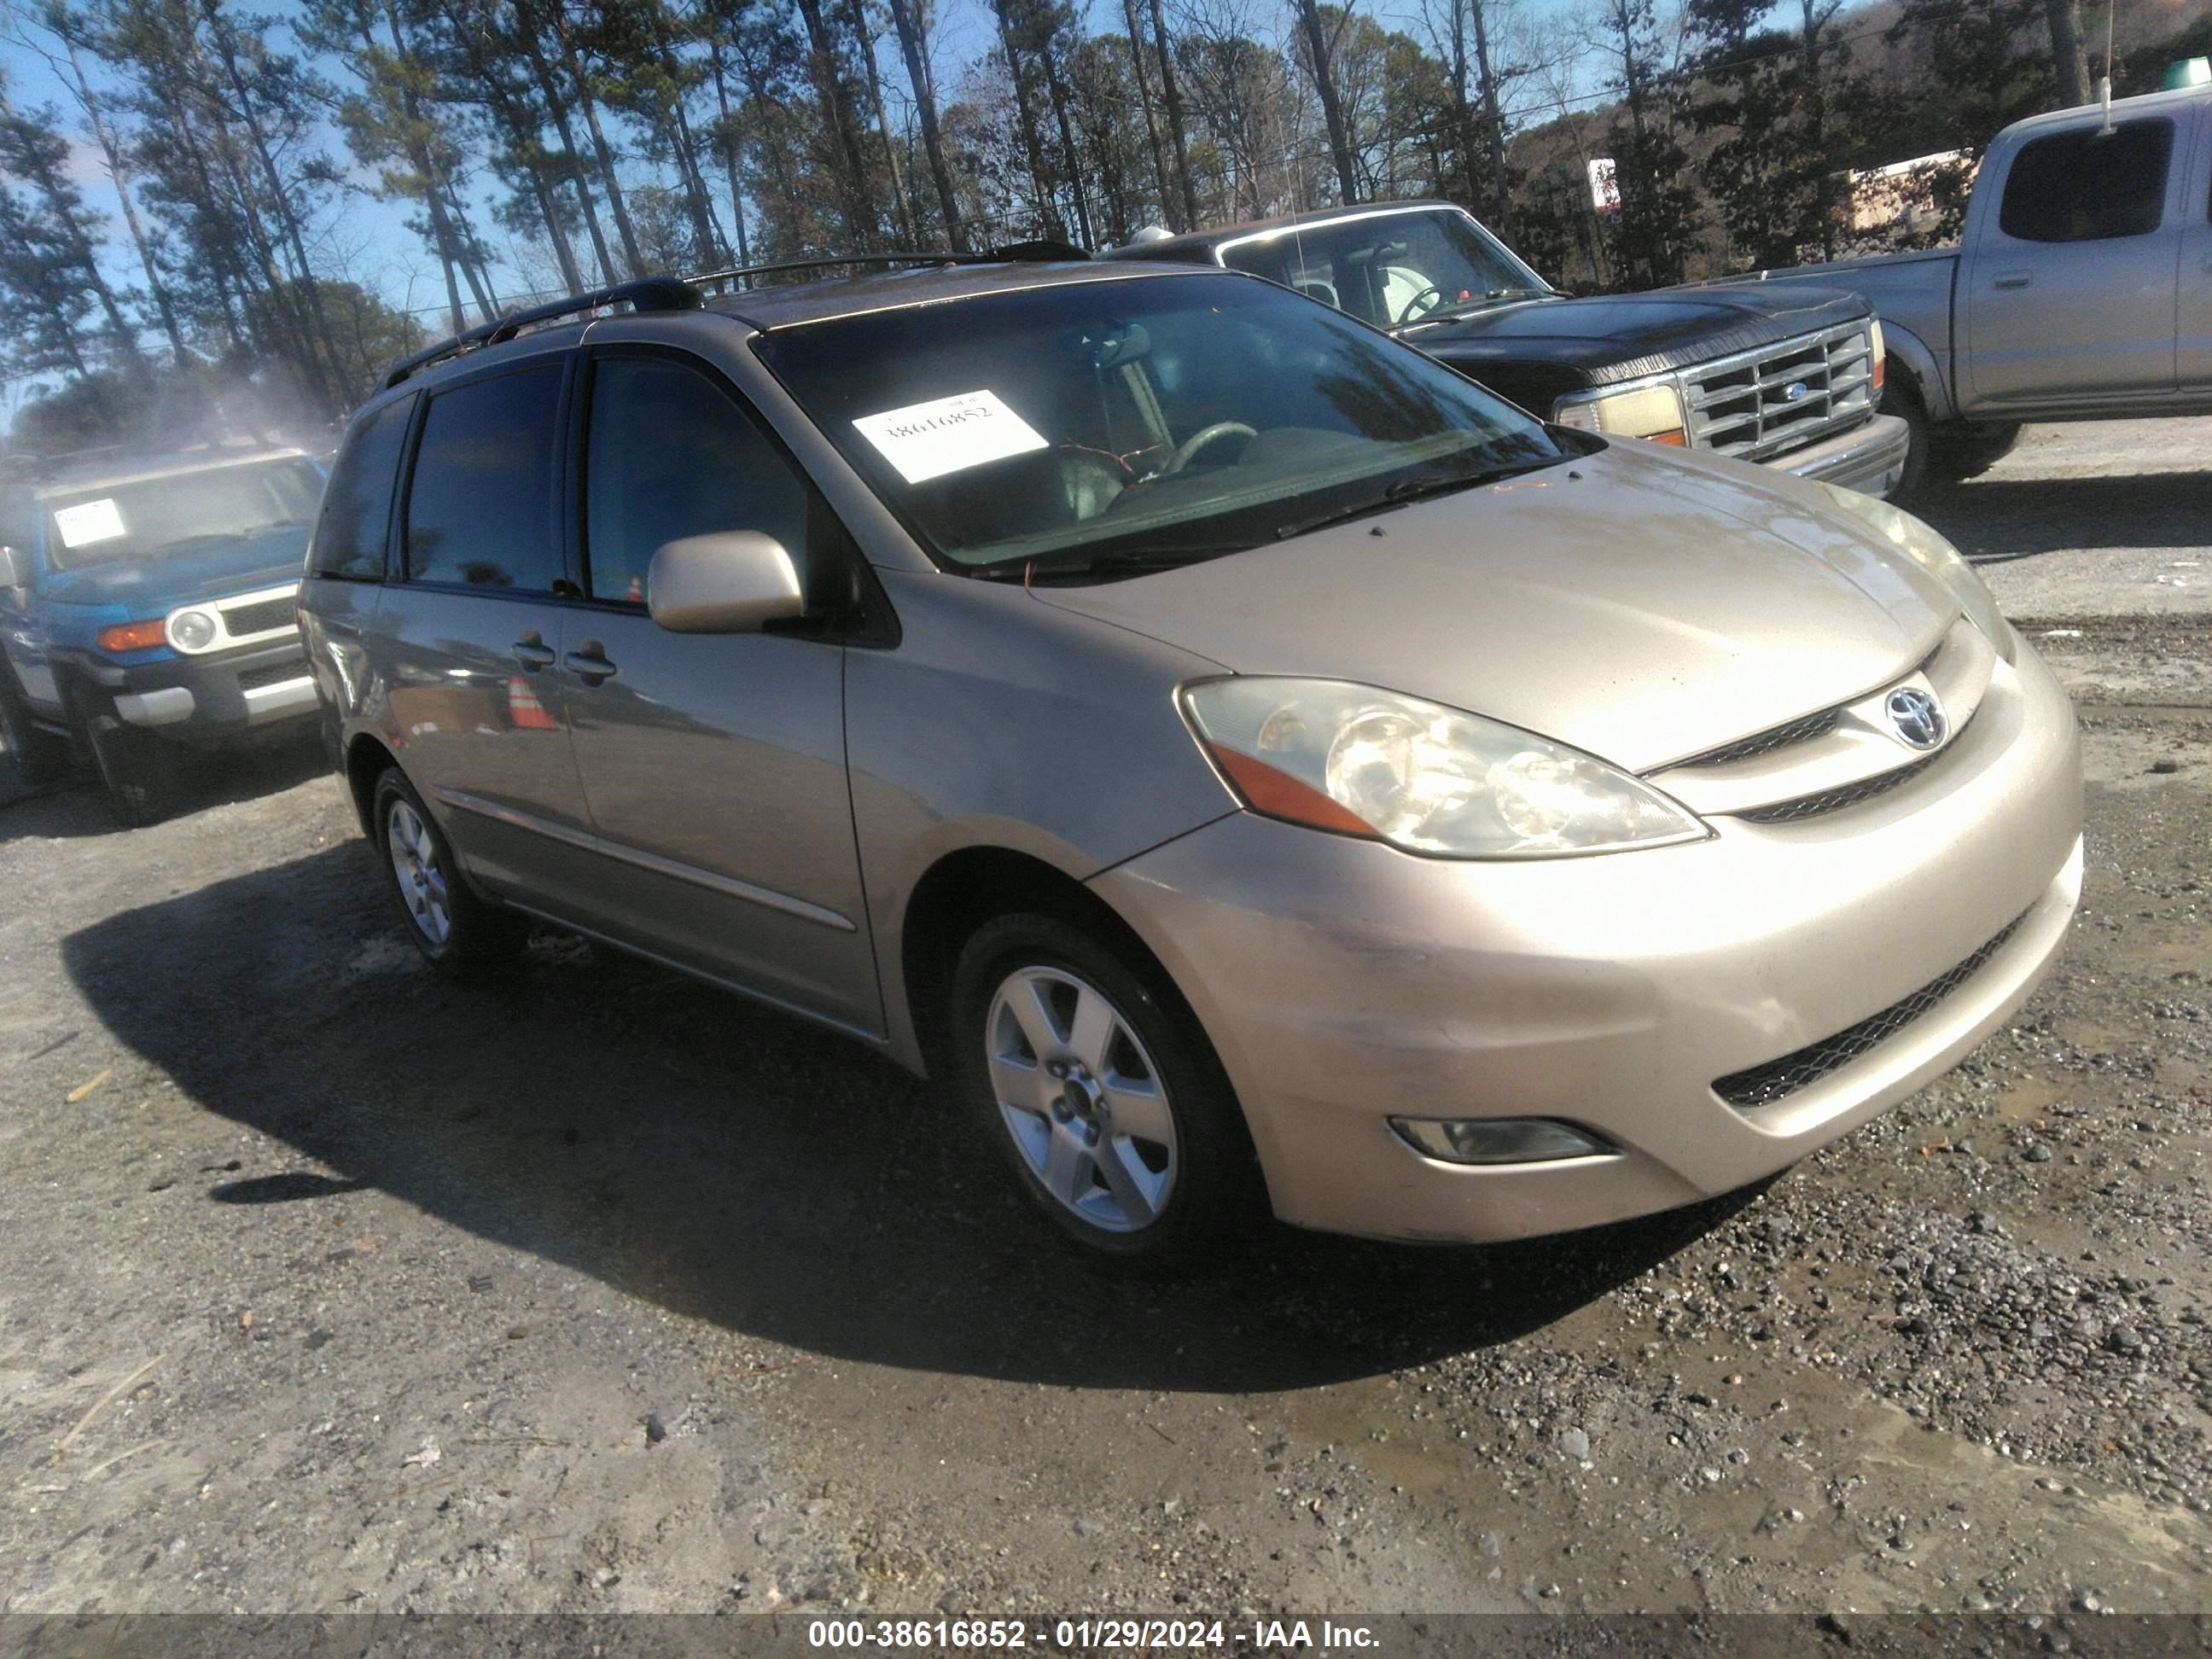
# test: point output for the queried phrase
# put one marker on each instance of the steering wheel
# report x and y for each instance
(1413, 308)
(1199, 439)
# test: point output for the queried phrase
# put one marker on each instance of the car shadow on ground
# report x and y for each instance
(75, 806)
(737, 1164)
(1990, 519)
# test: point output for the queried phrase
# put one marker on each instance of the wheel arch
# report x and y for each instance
(1905, 350)
(366, 759)
(963, 889)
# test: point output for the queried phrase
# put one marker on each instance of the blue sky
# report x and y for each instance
(367, 241)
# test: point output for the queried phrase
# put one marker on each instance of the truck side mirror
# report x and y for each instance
(732, 581)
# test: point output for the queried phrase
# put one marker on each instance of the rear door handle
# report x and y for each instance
(2014, 278)
(531, 652)
(590, 665)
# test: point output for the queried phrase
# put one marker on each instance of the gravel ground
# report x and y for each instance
(326, 1287)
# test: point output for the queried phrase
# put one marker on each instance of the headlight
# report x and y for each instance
(1650, 412)
(1875, 374)
(1428, 779)
(192, 630)
(1927, 547)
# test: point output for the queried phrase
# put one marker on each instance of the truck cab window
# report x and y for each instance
(2087, 185)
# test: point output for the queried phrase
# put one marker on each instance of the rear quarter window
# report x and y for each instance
(357, 516)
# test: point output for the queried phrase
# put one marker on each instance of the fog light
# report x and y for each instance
(1498, 1139)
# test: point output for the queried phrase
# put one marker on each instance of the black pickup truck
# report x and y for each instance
(1789, 377)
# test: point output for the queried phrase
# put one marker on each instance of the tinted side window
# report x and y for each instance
(670, 455)
(357, 501)
(480, 508)
(2088, 186)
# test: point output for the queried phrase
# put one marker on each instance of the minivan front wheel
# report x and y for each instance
(457, 932)
(1106, 1102)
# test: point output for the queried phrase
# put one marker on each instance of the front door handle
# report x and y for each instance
(531, 650)
(2014, 278)
(590, 665)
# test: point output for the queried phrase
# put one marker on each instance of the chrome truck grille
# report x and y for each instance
(1761, 403)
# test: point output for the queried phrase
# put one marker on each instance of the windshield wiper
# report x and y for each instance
(1460, 308)
(1413, 489)
(1118, 561)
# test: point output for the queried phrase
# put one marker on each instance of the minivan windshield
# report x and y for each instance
(150, 517)
(1393, 267)
(1077, 427)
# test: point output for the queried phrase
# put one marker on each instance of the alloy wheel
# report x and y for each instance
(1086, 1108)
(421, 879)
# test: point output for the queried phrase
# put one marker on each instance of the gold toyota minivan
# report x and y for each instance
(1248, 766)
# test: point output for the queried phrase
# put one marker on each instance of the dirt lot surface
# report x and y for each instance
(325, 1286)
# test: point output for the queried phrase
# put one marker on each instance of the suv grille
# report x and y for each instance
(1762, 1085)
(1743, 405)
(260, 617)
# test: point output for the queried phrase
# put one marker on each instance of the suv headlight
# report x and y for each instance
(1650, 411)
(1363, 762)
(192, 630)
(1926, 546)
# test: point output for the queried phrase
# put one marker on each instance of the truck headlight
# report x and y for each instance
(1926, 546)
(192, 630)
(1332, 755)
(1650, 411)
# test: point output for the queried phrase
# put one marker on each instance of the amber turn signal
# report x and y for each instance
(132, 636)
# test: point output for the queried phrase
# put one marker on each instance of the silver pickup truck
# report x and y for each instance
(2081, 288)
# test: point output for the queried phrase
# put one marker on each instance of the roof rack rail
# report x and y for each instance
(1038, 251)
(647, 294)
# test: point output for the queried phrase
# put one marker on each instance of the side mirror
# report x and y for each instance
(15, 569)
(734, 581)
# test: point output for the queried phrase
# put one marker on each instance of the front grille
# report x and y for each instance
(274, 673)
(262, 616)
(1835, 800)
(1762, 1085)
(1765, 743)
(1741, 405)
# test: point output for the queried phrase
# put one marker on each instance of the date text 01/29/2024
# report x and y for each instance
(1084, 1635)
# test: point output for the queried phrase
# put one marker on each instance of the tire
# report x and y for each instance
(137, 772)
(459, 933)
(1112, 1115)
(1962, 451)
(1899, 398)
(38, 755)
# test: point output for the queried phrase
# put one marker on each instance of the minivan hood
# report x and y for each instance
(1639, 605)
(235, 566)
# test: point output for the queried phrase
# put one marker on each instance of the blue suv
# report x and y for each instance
(147, 610)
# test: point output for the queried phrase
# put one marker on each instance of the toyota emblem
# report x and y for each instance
(1916, 717)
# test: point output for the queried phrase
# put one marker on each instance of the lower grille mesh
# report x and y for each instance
(275, 673)
(1835, 800)
(1762, 1085)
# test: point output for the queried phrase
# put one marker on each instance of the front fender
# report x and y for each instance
(1004, 723)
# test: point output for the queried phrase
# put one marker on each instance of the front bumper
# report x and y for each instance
(213, 698)
(1343, 982)
(1869, 458)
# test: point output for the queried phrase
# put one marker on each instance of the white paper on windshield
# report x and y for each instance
(88, 522)
(949, 434)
